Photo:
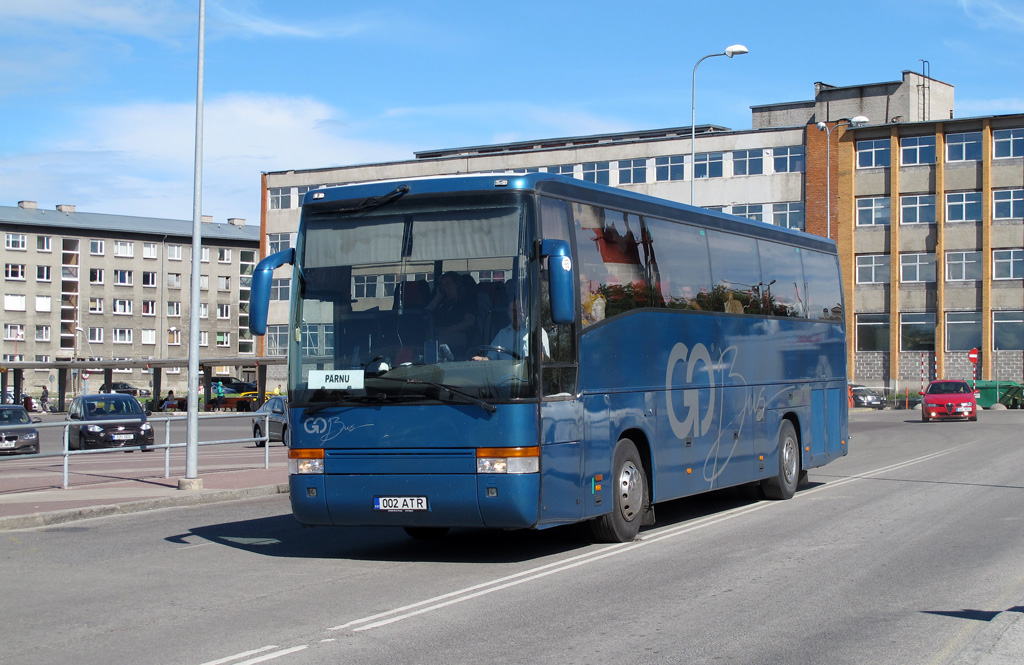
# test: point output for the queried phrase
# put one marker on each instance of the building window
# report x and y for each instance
(280, 289)
(1008, 143)
(788, 215)
(1008, 204)
(148, 336)
(276, 340)
(632, 171)
(149, 308)
(223, 339)
(668, 169)
(173, 308)
(963, 331)
(917, 332)
(150, 250)
(873, 211)
(204, 338)
(918, 209)
(95, 305)
(707, 165)
(280, 198)
(917, 150)
(15, 272)
(963, 147)
(174, 252)
(789, 160)
(124, 248)
(278, 242)
(14, 332)
(748, 162)
(1008, 264)
(963, 266)
(753, 211)
(95, 275)
(42, 273)
(873, 269)
(562, 169)
(14, 302)
(872, 154)
(963, 207)
(122, 336)
(149, 279)
(43, 244)
(173, 337)
(223, 311)
(223, 283)
(42, 333)
(16, 241)
(123, 277)
(174, 280)
(122, 306)
(204, 254)
(917, 267)
(224, 255)
(95, 335)
(44, 303)
(1008, 331)
(97, 247)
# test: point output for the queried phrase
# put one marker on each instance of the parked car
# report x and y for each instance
(17, 441)
(948, 398)
(237, 386)
(277, 407)
(90, 416)
(866, 397)
(125, 389)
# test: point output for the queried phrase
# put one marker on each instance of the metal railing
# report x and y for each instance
(67, 454)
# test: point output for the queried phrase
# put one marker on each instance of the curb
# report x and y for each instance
(89, 512)
(981, 648)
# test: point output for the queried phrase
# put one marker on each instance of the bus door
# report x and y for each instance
(826, 419)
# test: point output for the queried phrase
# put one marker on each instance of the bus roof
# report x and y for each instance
(572, 189)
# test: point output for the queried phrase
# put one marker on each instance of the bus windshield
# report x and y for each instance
(424, 298)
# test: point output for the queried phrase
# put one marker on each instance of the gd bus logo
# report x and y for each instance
(690, 425)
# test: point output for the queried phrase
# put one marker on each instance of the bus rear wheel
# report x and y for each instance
(628, 484)
(783, 485)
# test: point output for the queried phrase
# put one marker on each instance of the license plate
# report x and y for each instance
(7, 444)
(123, 437)
(399, 504)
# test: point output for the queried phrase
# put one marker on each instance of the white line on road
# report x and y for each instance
(259, 659)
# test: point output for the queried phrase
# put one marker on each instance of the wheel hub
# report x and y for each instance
(631, 491)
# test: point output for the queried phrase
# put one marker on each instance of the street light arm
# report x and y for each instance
(735, 49)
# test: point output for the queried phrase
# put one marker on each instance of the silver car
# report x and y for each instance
(277, 407)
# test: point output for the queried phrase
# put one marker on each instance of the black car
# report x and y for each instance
(17, 441)
(125, 389)
(91, 417)
(866, 397)
(278, 410)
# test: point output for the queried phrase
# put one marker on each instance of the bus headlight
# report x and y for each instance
(305, 460)
(508, 460)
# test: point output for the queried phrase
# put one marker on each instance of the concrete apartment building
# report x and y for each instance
(111, 287)
(958, 216)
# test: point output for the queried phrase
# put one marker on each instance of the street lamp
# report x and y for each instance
(735, 49)
(855, 121)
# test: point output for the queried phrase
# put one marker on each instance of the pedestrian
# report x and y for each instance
(44, 399)
(220, 394)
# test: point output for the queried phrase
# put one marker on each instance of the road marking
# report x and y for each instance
(259, 659)
(649, 537)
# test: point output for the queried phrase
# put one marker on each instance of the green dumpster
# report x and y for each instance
(991, 392)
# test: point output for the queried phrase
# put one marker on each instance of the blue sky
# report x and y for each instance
(97, 97)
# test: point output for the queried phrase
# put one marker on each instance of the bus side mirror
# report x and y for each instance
(560, 280)
(259, 296)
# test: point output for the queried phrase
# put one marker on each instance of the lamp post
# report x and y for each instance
(735, 49)
(856, 121)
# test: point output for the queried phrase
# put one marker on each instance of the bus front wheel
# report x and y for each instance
(783, 485)
(628, 483)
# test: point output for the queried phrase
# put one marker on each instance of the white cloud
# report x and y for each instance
(995, 14)
(138, 159)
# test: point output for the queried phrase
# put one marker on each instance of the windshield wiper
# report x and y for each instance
(320, 402)
(374, 202)
(486, 406)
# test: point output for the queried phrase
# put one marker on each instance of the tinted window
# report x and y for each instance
(783, 280)
(680, 268)
(824, 291)
(736, 272)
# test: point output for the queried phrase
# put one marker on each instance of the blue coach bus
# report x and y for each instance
(526, 351)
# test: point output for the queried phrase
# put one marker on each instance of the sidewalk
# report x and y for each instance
(26, 510)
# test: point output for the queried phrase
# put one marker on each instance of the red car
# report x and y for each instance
(948, 398)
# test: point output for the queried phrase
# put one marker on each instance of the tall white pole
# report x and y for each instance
(192, 480)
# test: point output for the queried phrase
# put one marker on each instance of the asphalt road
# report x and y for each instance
(896, 554)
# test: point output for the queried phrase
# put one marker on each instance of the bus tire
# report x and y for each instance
(628, 484)
(783, 485)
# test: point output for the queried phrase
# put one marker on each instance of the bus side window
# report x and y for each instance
(559, 369)
(736, 271)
